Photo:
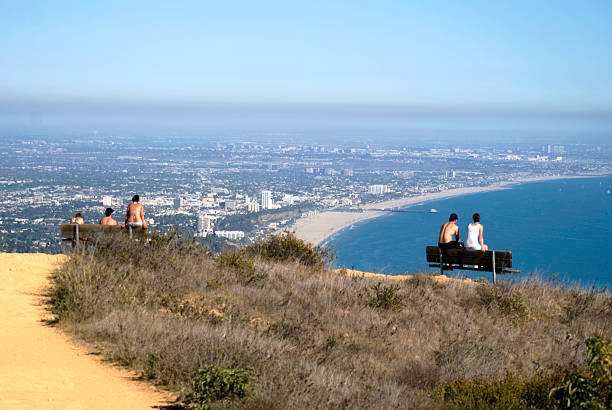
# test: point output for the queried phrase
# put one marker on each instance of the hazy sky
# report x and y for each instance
(385, 56)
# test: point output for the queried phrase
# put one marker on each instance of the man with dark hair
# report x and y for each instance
(77, 219)
(134, 215)
(108, 220)
(447, 231)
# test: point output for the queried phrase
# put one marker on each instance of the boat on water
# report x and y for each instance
(434, 211)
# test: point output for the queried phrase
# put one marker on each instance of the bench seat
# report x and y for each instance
(465, 259)
(88, 232)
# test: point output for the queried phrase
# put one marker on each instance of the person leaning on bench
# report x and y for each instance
(447, 231)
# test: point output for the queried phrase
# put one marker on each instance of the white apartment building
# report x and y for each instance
(266, 200)
(232, 235)
(253, 206)
(204, 223)
(378, 189)
(107, 200)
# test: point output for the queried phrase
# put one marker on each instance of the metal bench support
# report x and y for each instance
(494, 275)
(76, 235)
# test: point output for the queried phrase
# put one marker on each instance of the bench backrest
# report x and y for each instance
(88, 231)
(503, 259)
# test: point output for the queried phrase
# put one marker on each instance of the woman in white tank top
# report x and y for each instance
(475, 240)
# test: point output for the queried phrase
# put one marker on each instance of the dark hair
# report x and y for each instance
(135, 198)
(109, 211)
(453, 217)
(476, 217)
(78, 215)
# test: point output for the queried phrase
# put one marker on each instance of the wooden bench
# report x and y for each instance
(497, 262)
(86, 233)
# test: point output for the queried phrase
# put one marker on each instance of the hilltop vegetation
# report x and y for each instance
(270, 326)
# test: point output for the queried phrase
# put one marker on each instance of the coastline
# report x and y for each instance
(321, 226)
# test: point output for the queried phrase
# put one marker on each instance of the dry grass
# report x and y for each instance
(315, 338)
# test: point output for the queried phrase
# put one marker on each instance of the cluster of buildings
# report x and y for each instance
(243, 190)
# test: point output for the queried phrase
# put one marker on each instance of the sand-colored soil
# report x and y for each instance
(381, 276)
(40, 367)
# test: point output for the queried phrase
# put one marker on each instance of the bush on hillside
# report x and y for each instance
(592, 389)
(242, 264)
(286, 246)
(219, 383)
(384, 297)
(510, 392)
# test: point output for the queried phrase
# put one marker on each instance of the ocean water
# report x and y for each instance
(558, 229)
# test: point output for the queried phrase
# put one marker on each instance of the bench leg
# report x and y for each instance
(76, 229)
(494, 275)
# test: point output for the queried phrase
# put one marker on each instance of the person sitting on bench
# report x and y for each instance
(447, 231)
(475, 239)
(134, 215)
(77, 219)
(108, 219)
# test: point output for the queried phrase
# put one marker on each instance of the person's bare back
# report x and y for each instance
(108, 219)
(134, 215)
(447, 231)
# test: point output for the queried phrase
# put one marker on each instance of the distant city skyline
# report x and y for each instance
(128, 62)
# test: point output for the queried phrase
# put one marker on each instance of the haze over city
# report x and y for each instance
(192, 68)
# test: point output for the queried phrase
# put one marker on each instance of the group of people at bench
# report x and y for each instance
(134, 216)
(474, 241)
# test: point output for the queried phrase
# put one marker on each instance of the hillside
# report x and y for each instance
(271, 326)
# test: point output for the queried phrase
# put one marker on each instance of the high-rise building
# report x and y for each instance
(266, 200)
(178, 202)
(107, 200)
(204, 224)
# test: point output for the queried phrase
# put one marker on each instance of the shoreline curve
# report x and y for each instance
(319, 227)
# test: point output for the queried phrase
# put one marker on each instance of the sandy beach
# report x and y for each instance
(318, 227)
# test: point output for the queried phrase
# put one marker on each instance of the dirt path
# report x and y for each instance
(40, 367)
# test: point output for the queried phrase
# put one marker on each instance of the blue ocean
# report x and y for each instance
(559, 229)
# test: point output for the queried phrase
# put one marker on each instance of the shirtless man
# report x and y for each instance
(450, 228)
(77, 219)
(108, 220)
(134, 216)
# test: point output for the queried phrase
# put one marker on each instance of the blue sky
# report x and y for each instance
(440, 56)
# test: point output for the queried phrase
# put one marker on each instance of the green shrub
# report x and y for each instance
(287, 247)
(592, 390)
(510, 303)
(241, 264)
(384, 297)
(510, 392)
(219, 383)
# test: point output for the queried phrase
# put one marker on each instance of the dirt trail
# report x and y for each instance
(40, 367)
